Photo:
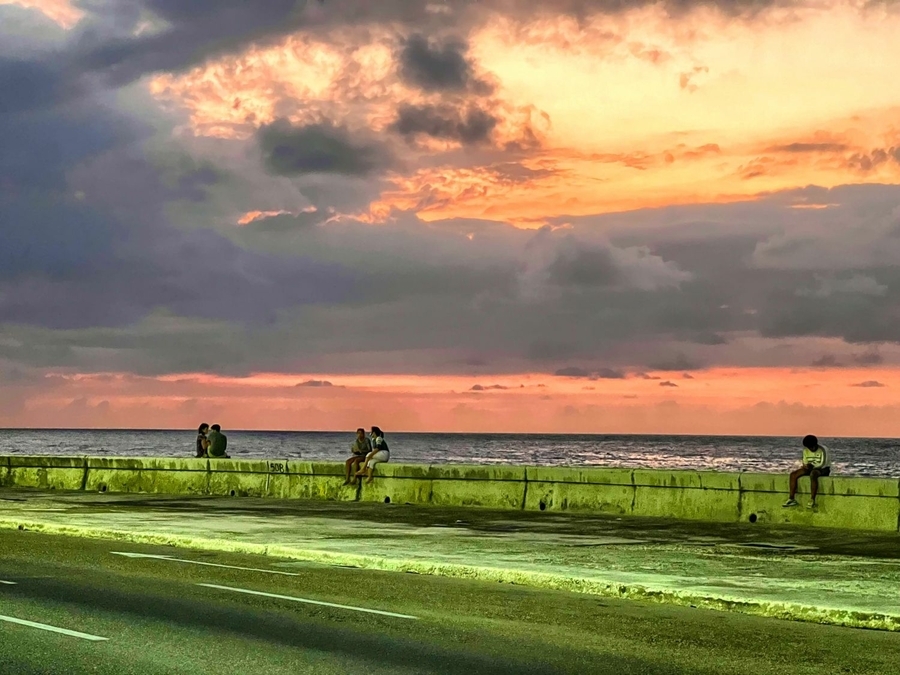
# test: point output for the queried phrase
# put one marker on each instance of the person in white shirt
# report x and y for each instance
(816, 462)
(380, 453)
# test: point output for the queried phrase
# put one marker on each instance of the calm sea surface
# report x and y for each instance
(851, 456)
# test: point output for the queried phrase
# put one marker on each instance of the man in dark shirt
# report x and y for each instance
(217, 442)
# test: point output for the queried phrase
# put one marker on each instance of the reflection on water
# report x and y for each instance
(852, 456)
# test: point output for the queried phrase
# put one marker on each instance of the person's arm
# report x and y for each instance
(820, 459)
(373, 448)
(806, 461)
(813, 460)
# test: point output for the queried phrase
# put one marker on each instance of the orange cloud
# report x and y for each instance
(62, 12)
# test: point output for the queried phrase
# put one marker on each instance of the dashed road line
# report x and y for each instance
(198, 562)
(53, 629)
(310, 602)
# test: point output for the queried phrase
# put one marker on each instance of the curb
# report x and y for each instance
(542, 580)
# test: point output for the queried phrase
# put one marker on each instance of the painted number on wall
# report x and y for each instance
(277, 467)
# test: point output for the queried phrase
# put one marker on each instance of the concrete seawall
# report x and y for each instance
(844, 502)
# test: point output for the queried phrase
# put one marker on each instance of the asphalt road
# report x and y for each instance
(158, 617)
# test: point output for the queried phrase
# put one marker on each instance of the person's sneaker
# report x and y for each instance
(790, 502)
(812, 505)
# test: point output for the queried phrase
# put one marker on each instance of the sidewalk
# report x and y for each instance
(826, 576)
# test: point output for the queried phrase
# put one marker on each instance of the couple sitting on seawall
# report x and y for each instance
(211, 442)
(367, 451)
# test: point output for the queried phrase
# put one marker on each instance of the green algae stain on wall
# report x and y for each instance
(147, 475)
(5, 480)
(47, 473)
(590, 490)
(497, 487)
(399, 484)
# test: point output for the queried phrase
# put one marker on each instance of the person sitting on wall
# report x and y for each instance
(380, 453)
(360, 448)
(202, 442)
(816, 462)
(217, 443)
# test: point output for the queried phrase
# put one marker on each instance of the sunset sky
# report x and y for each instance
(459, 215)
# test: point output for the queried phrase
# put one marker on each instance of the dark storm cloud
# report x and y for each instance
(827, 361)
(856, 317)
(809, 147)
(193, 31)
(584, 267)
(438, 67)
(600, 374)
(317, 148)
(31, 85)
(572, 371)
(868, 359)
(106, 254)
(469, 127)
(872, 160)
(711, 339)
(44, 230)
(679, 362)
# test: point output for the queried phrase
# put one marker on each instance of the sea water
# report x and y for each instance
(851, 456)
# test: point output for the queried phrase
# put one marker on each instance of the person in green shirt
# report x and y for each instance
(816, 462)
(217, 442)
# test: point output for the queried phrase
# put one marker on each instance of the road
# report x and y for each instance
(249, 614)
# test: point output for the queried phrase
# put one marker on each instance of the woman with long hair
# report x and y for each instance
(202, 442)
(380, 453)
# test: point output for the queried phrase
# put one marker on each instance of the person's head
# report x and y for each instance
(203, 428)
(376, 432)
(811, 442)
(216, 427)
(360, 433)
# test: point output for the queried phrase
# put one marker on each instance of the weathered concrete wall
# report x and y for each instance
(844, 502)
(46, 473)
(147, 474)
(598, 490)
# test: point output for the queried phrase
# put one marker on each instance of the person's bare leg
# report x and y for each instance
(369, 473)
(348, 467)
(795, 476)
(814, 484)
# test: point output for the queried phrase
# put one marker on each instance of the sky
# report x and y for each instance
(555, 216)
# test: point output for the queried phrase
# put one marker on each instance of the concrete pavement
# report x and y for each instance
(826, 576)
(168, 614)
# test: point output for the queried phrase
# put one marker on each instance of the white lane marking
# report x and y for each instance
(53, 629)
(198, 562)
(8, 583)
(310, 602)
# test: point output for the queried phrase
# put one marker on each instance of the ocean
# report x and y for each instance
(851, 456)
